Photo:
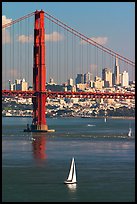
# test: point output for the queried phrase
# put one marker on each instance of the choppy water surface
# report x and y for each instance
(35, 165)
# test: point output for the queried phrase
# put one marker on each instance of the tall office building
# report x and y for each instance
(107, 77)
(120, 75)
(87, 77)
(98, 83)
(12, 86)
(80, 79)
(116, 72)
(9, 84)
(51, 81)
(70, 82)
(24, 85)
(18, 84)
(124, 79)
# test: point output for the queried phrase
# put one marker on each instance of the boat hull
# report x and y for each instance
(69, 182)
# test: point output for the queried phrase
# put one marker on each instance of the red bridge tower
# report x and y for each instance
(39, 76)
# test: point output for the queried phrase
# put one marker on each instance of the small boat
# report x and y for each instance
(72, 174)
(130, 132)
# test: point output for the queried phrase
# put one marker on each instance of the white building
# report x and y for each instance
(124, 79)
(120, 78)
(87, 78)
(116, 72)
(12, 87)
(98, 83)
(107, 77)
(51, 81)
(70, 82)
(91, 84)
(24, 85)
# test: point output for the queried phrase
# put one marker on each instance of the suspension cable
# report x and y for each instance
(17, 20)
(89, 40)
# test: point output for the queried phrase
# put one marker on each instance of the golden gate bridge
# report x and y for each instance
(67, 52)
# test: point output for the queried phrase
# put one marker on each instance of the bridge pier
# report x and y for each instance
(39, 128)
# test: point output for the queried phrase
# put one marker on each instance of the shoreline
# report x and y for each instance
(122, 117)
(113, 117)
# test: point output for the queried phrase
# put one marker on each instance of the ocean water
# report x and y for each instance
(35, 165)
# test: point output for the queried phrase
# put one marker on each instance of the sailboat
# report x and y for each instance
(130, 132)
(105, 119)
(72, 174)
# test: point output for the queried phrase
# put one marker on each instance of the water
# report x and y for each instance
(35, 165)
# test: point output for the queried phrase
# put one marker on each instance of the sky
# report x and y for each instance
(113, 23)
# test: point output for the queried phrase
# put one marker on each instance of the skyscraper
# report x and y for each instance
(98, 83)
(87, 77)
(18, 84)
(70, 82)
(116, 72)
(80, 79)
(124, 79)
(107, 77)
(24, 85)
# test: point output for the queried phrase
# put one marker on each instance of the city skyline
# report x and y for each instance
(107, 80)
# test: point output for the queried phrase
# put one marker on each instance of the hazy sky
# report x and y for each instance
(113, 22)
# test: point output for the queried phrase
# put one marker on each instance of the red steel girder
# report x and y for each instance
(68, 94)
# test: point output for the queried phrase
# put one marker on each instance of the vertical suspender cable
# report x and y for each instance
(28, 79)
(67, 56)
(4, 66)
(20, 52)
(10, 57)
(95, 62)
(87, 60)
(80, 56)
(72, 58)
(64, 69)
(102, 60)
(13, 70)
(19, 49)
(82, 61)
(59, 57)
(49, 63)
(52, 53)
(74, 71)
(57, 54)
(90, 66)
(133, 72)
(25, 50)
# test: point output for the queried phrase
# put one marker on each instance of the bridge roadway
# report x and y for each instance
(69, 94)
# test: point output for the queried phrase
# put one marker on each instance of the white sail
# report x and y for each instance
(130, 132)
(72, 173)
